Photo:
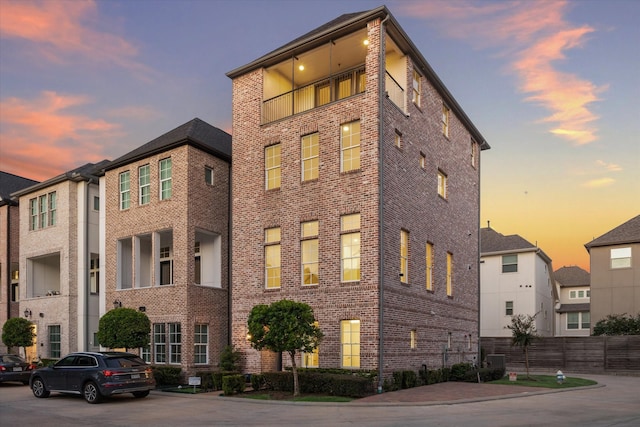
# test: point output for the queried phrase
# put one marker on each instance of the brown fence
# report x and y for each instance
(601, 354)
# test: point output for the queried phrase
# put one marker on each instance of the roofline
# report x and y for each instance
(399, 36)
(67, 176)
(617, 243)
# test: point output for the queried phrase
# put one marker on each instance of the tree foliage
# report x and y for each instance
(618, 324)
(284, 326)
(18, 332)
(523, 333)
(229, 359)
(124, 327)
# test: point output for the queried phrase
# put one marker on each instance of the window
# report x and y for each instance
(54, 341)
(510, 263)
(442, 184)
(397, 139)
(350, 248)
(197, 268)
(53, 208)
(429, 266)
(310, 156)
(166, 261)
(579, 320)
(309, 252)
(508, 310)
(207, 259)
(474, 153)
(573, 294)
(621, 258)
(201, 344)
(144, 182)
(33, 214)
(445, 120)
(404, 256)
(125, 266)
(175, 343)
(43, 211)
(165, 179)
(449, 274)
(125, 191)
(96, 203)
(423, 160)
(311, 360)
(350, 146)
(272, 167)
(272, 257)
(94, 274)
(413, 338)
(160, 342)
(208, 175)
(417, 85)
(145, 352)
(350, 343)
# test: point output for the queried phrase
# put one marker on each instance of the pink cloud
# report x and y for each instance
(534, 36)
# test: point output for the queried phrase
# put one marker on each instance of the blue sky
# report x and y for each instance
(554, 86)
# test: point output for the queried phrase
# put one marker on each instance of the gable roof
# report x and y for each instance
(86, 172)
(629, 232)
(10, 183)
(572, 276)
(196, 132)
(492, 241)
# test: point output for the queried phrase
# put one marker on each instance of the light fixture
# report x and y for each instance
(27, 312)
(41, 314)
(365, 42)
(117, 303)
(301, 67)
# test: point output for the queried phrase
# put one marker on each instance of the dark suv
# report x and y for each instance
(94, 375)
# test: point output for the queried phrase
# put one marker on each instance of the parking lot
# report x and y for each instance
(616, 402)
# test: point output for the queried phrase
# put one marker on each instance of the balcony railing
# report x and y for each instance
(314, 95)
(395, 92)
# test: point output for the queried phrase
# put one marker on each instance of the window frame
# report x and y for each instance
(443, 185)
(273, 250)
(310, 156)
(54, 332)
(349, 235)
(175, 343)
(124, 180)
(622, 259)
(201, 344)
(209, 177)
(144, 188)
(354, 137)
(350, 341)
(508, 308)
(508, 264)
(416, 92)
(449, 274)
(53, 208)
(165, 175)
(273, 167)
(446, 117)
(309, 252)
(429, 255)
(404, 256)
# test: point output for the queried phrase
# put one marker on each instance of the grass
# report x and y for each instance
(546, 381)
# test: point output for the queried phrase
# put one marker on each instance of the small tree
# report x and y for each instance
(523, 329)
(618, 324)
(229, 359)
(284, 326)
(18, 332)
(124, 327)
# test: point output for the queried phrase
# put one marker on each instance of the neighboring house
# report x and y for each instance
(356, 190)
(59, 251)
(165, 239)
(615, 271)
(10, 247)
(515, 278)
(573, 310)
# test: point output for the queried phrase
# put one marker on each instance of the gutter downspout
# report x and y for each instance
(381, 204)
(479, 264)
(229, 255)
(8, 273)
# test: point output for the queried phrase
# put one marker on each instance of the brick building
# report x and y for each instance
(165, 241)
(356, 183)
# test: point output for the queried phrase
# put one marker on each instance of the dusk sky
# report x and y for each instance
(554, 87)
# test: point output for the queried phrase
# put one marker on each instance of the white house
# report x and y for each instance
(573, 316)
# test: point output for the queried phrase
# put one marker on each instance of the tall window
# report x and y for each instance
(94, 274)
(445, 120)
(413, 338)
(165, 179)
(417, 85)
(175, 343)
(208, 175)
(508, 308)
(43, 211)
(309, 252)
(197, 268)
(350, 343)
(54, 341)
(449, 274)
(350, 146)
(125, 264)
(201, 344)
(404, 256)
(145, 352)
(311, 360)
(160, 342)
(621, 257)
(272, 257)
(510, 263)
(125, 190)
(429, 266)
(423, 160)
(33, 214)
(579, 320)
(53, 208)
(144, 183)
(442, 184)
(166, 264)
(474, 153)
(272, 165)
(310, 156)
(397, 139)
(350, 248)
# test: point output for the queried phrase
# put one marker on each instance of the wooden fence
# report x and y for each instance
(601, 354)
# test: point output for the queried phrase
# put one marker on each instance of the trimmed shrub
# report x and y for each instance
(279, 381)
(459, 371)
(257, 381)
(206, 380)
(409, 379)
(166, 375)
(312, 381)
(233, 384)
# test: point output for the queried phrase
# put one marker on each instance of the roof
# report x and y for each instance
(629, 232)
(573, 308)
(195, 132)
(10, 183)
(86, 172)
(492, 241)
(572, 276)
(347, 23)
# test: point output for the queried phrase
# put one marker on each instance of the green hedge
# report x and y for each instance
(312, 381)
(233, 384)
(167, 375)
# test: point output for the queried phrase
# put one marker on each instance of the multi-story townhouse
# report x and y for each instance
(356, 190)
(10, 247)
(615, 271)
(165, 242)
(59, 254)
(573, 313)
(516, 277)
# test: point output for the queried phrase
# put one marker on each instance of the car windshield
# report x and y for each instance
(10, 358)
(124, 362)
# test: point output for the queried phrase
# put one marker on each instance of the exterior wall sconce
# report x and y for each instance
(27, 313)
(117, 303)
(41, 314)
(142, 309)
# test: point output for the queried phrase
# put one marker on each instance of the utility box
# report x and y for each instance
(496, 361)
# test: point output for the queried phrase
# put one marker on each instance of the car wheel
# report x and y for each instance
(91, 393)
(38, 388)
(141, 393)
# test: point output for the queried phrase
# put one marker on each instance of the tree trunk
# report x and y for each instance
(296, 386)
(526, 360)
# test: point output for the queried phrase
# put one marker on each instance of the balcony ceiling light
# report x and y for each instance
(365, 42)
(301, 67)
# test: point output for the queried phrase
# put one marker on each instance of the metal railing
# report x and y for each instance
(395, 92)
